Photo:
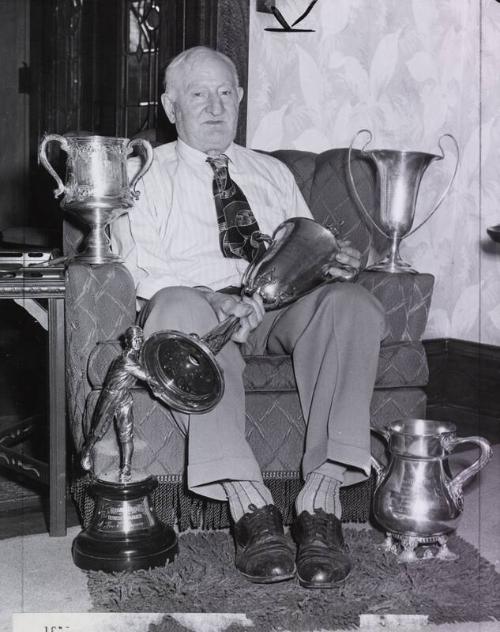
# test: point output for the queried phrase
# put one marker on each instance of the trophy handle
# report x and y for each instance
(259, 238)
(42, 157)
(449, 444)
(448, 187)
(379, 468)
(146, 145)
(353, 186)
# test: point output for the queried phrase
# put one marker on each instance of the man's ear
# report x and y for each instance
(169, 107)
(240, 93)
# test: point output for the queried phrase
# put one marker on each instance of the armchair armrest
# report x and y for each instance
(406, 298)
(100, 305)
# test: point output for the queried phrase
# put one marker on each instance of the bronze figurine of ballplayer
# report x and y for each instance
(115, 403)
(123, 533)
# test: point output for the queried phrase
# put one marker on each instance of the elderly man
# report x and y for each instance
(187, 242)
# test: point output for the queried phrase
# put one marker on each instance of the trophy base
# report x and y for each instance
(97, 258)
(190, 378)
(393, 264)
(392, 261)
(124, 534)
(405, 547)
(392, 267)
(96, 246)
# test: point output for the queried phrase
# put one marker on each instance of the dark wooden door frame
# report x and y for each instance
(79, 58)
(233, 41)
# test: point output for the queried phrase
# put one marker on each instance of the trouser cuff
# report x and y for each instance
(204, 478)
(356, 460)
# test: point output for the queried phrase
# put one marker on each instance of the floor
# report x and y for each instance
(37, 574)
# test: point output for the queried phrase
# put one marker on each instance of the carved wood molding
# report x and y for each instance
(62, 66)
(233, 40)
(16, 433)
(20, 289)
(28, 466)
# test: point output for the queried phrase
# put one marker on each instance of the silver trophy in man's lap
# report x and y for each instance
(97, 188)
(399, 174)
(300, 253)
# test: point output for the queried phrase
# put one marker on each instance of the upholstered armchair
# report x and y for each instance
(101, 304)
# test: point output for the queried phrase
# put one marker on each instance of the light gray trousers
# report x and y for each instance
(333, 335)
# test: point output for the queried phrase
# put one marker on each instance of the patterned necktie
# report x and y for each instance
(238, 228)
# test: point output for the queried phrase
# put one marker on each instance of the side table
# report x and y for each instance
(26, 285)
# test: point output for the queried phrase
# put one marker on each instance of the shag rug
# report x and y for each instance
(203, 579)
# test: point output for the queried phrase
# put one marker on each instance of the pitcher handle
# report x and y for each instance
(146, 145)
(376, 464)
(450, 443)
(42, 157)
(448, 187)
(353, 186)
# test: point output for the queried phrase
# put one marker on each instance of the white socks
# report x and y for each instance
(242, 494)
(319, 492)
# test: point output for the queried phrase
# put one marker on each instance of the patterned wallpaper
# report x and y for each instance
(410, 71)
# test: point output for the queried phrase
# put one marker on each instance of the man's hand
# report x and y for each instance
(250, 311)
(350, 260)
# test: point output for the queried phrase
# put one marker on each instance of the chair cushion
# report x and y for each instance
(275, 429)
(406, 299)
(400, 364)
(99, 305)
(302, 165)
(323, 180)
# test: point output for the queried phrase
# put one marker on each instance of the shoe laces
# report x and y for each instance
(320, 527)
(263, 520)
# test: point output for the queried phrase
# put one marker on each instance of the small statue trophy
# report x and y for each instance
(124, 533)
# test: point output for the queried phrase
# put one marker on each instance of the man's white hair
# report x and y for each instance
(185, 61)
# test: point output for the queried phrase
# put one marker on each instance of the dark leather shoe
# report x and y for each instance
(322, 558)
(263, 554)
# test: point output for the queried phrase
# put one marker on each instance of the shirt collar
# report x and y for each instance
(198, 158)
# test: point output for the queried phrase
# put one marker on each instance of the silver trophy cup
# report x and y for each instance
(185, 367)
(97, 188)
(399, 174)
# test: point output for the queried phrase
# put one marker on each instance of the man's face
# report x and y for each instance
(204, 105)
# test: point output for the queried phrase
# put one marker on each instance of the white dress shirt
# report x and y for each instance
(170, 236)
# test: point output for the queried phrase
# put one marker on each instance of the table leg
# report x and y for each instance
(57, 418)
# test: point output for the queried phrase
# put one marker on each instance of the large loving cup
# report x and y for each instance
(296, 261)
(399, 174)
(97, 188)
(416, 500)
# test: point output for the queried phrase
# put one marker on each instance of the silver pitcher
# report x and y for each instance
(297, 261)
(399, 174)
(416, 500)
(97, 188)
